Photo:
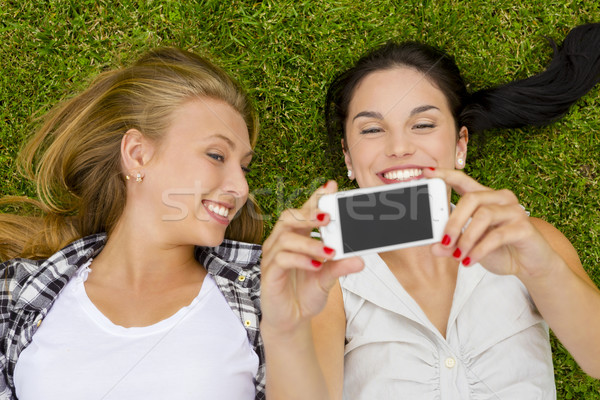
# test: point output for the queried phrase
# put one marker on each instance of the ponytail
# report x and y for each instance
(545, 97)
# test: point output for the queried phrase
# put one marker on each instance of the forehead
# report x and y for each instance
(395, 89)
(202, 118)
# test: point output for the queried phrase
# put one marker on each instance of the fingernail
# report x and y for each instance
(466, 261)
(431, 168)
(456, 253)
(446, 240)
(316, 263)
(328, 250)
(321, 216)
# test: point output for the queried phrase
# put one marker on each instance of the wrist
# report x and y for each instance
(545, 277)
(277, 333)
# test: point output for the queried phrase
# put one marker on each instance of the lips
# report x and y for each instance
(404, 174)
(219, 211)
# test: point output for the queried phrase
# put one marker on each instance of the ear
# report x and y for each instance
(347, 158)
(461, 148)
(136, 151)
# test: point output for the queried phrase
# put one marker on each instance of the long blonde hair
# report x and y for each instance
(75, 158)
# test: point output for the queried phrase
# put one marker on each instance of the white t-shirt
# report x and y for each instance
(200, 352)
(496, 345)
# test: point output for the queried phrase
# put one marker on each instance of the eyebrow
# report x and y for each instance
(230, 143)
(378, 115)
(421, 109)
(368, 114)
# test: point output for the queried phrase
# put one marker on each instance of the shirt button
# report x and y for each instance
(39, 323)
(241, 278)
(450, 362)
(247, 322)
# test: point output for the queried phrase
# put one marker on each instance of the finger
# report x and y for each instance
(458, 180)
(298, 220)
(485, 219)
(293, 242)
(467, 207)
(285, 262)
(333, 270)
(491, 243)
(327, 188)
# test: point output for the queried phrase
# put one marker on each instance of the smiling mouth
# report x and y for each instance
(216, 208)
(401, 175)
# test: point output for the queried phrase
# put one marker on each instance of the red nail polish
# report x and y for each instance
(431, 168)
(316, 263)
(456, 253)
(466, 261)
(446, 240)
(321, 216)
(328, 250)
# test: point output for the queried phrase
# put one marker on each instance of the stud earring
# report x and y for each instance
(350, 174)
(139, 177)
(460, 161)
(127, 177)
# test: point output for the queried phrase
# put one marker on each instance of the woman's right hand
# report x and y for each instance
(297, 270)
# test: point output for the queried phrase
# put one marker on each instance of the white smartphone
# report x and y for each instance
(383, 218)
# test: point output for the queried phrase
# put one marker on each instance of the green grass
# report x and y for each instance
(286, 52)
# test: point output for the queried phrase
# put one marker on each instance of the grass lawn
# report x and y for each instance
(286, 53)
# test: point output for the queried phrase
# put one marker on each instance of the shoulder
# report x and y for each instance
(231, 259)
(15, 274)
(38, 282)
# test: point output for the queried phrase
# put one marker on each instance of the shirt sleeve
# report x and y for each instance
(6, 286)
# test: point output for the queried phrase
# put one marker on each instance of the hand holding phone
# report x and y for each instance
(385, 218)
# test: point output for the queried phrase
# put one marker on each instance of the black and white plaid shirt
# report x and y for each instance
(30, 287)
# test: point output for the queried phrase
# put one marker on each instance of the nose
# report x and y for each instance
(235, 183)
(399, 144)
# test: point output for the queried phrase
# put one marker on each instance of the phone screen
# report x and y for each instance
(385, 218)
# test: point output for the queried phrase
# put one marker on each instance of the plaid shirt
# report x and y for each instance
(30, 288)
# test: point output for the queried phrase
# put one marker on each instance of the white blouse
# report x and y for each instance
(496, 347)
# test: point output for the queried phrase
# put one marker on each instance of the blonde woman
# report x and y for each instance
(124, 286)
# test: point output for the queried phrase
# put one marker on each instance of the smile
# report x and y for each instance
(218, 211)
(403, 174)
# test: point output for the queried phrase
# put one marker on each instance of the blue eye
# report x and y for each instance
(217, 157)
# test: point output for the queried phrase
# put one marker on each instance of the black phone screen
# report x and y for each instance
(385, 218)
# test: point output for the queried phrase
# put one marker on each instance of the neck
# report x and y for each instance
(135, 259)
(420, 262)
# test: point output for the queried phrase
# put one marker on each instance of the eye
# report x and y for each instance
(216, 156)
(371, 130)
(423, 125)
(246, 169)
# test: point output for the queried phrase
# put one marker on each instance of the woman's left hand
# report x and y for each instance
(492, 228)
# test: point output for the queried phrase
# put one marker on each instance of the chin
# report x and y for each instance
(211, 241)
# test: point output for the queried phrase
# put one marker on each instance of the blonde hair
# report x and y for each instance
(75, 157)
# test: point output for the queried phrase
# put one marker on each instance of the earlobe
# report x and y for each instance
(461, 148)
(347, 158)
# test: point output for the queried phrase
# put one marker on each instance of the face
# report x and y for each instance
(196, 178)
(399, 123)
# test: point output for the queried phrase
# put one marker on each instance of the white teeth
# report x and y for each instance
(403, 174)
(222, 211)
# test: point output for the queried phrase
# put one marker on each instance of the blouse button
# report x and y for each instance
(241, 278)
(450, 362)
(247, 322)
